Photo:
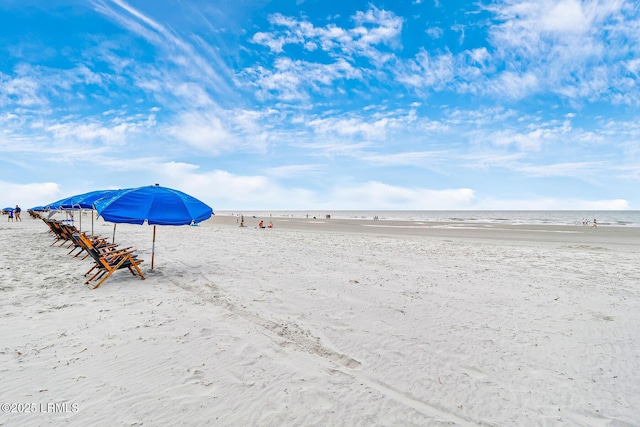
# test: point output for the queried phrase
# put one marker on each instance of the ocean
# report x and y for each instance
(627, 218)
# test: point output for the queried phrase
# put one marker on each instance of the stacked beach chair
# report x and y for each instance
(107, 258)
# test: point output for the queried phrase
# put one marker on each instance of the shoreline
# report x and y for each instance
(627, 218)
(534, 233)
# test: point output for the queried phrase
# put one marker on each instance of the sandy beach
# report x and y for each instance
(325, 323)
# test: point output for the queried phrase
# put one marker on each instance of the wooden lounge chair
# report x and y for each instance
(100, 243)
(108, 261)
(55, 228)
(64, 234)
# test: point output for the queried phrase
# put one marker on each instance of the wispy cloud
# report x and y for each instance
(372, 34)
(195, 66)
(574, 48)
(291, 80)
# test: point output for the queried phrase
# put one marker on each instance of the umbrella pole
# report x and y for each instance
(113, 239)
(153, 247)
(80, 229)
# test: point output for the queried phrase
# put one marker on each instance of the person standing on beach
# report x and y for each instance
(18, 210)
(10, 219)
(595, 223)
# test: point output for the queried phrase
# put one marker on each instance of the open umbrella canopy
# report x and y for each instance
(80, 201)
(7, 209)
(153, 204)
(59, 203)
(87, 200)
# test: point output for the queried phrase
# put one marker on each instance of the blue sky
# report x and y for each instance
(317, 104)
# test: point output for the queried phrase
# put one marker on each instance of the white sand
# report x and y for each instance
(325, 323)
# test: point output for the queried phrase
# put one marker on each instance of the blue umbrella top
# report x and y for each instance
(154, 204)
(80, 201)
(59, 203)
(7, 209)
(87, 200)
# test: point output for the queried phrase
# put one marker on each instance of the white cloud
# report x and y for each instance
(375, 27)
(566, 16)
(559, 42)
(28, 195)
(89, 132)
(435, 32)
(225, 190)
(375, 129)
(530, 141)
(372, 27)
(480, 56)
(22, 91)
(428, 71)
(34, 86)
(294, 79)
(216, 131)
(203, 130)
(377, 195)
(576, 50)
(515, 85)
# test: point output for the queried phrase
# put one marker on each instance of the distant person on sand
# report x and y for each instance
(270, 224)
(10, 215)
(595, 223)
(261, 225)
(18, 210)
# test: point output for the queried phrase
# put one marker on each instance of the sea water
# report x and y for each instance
(627, 218)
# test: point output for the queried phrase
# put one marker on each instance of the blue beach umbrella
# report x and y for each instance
(80, 202)
(62, 204)
(57, 205)
(154, 205)
(87, 201)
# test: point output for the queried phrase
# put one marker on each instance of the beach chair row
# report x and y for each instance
(107, 257)
(33, 214)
